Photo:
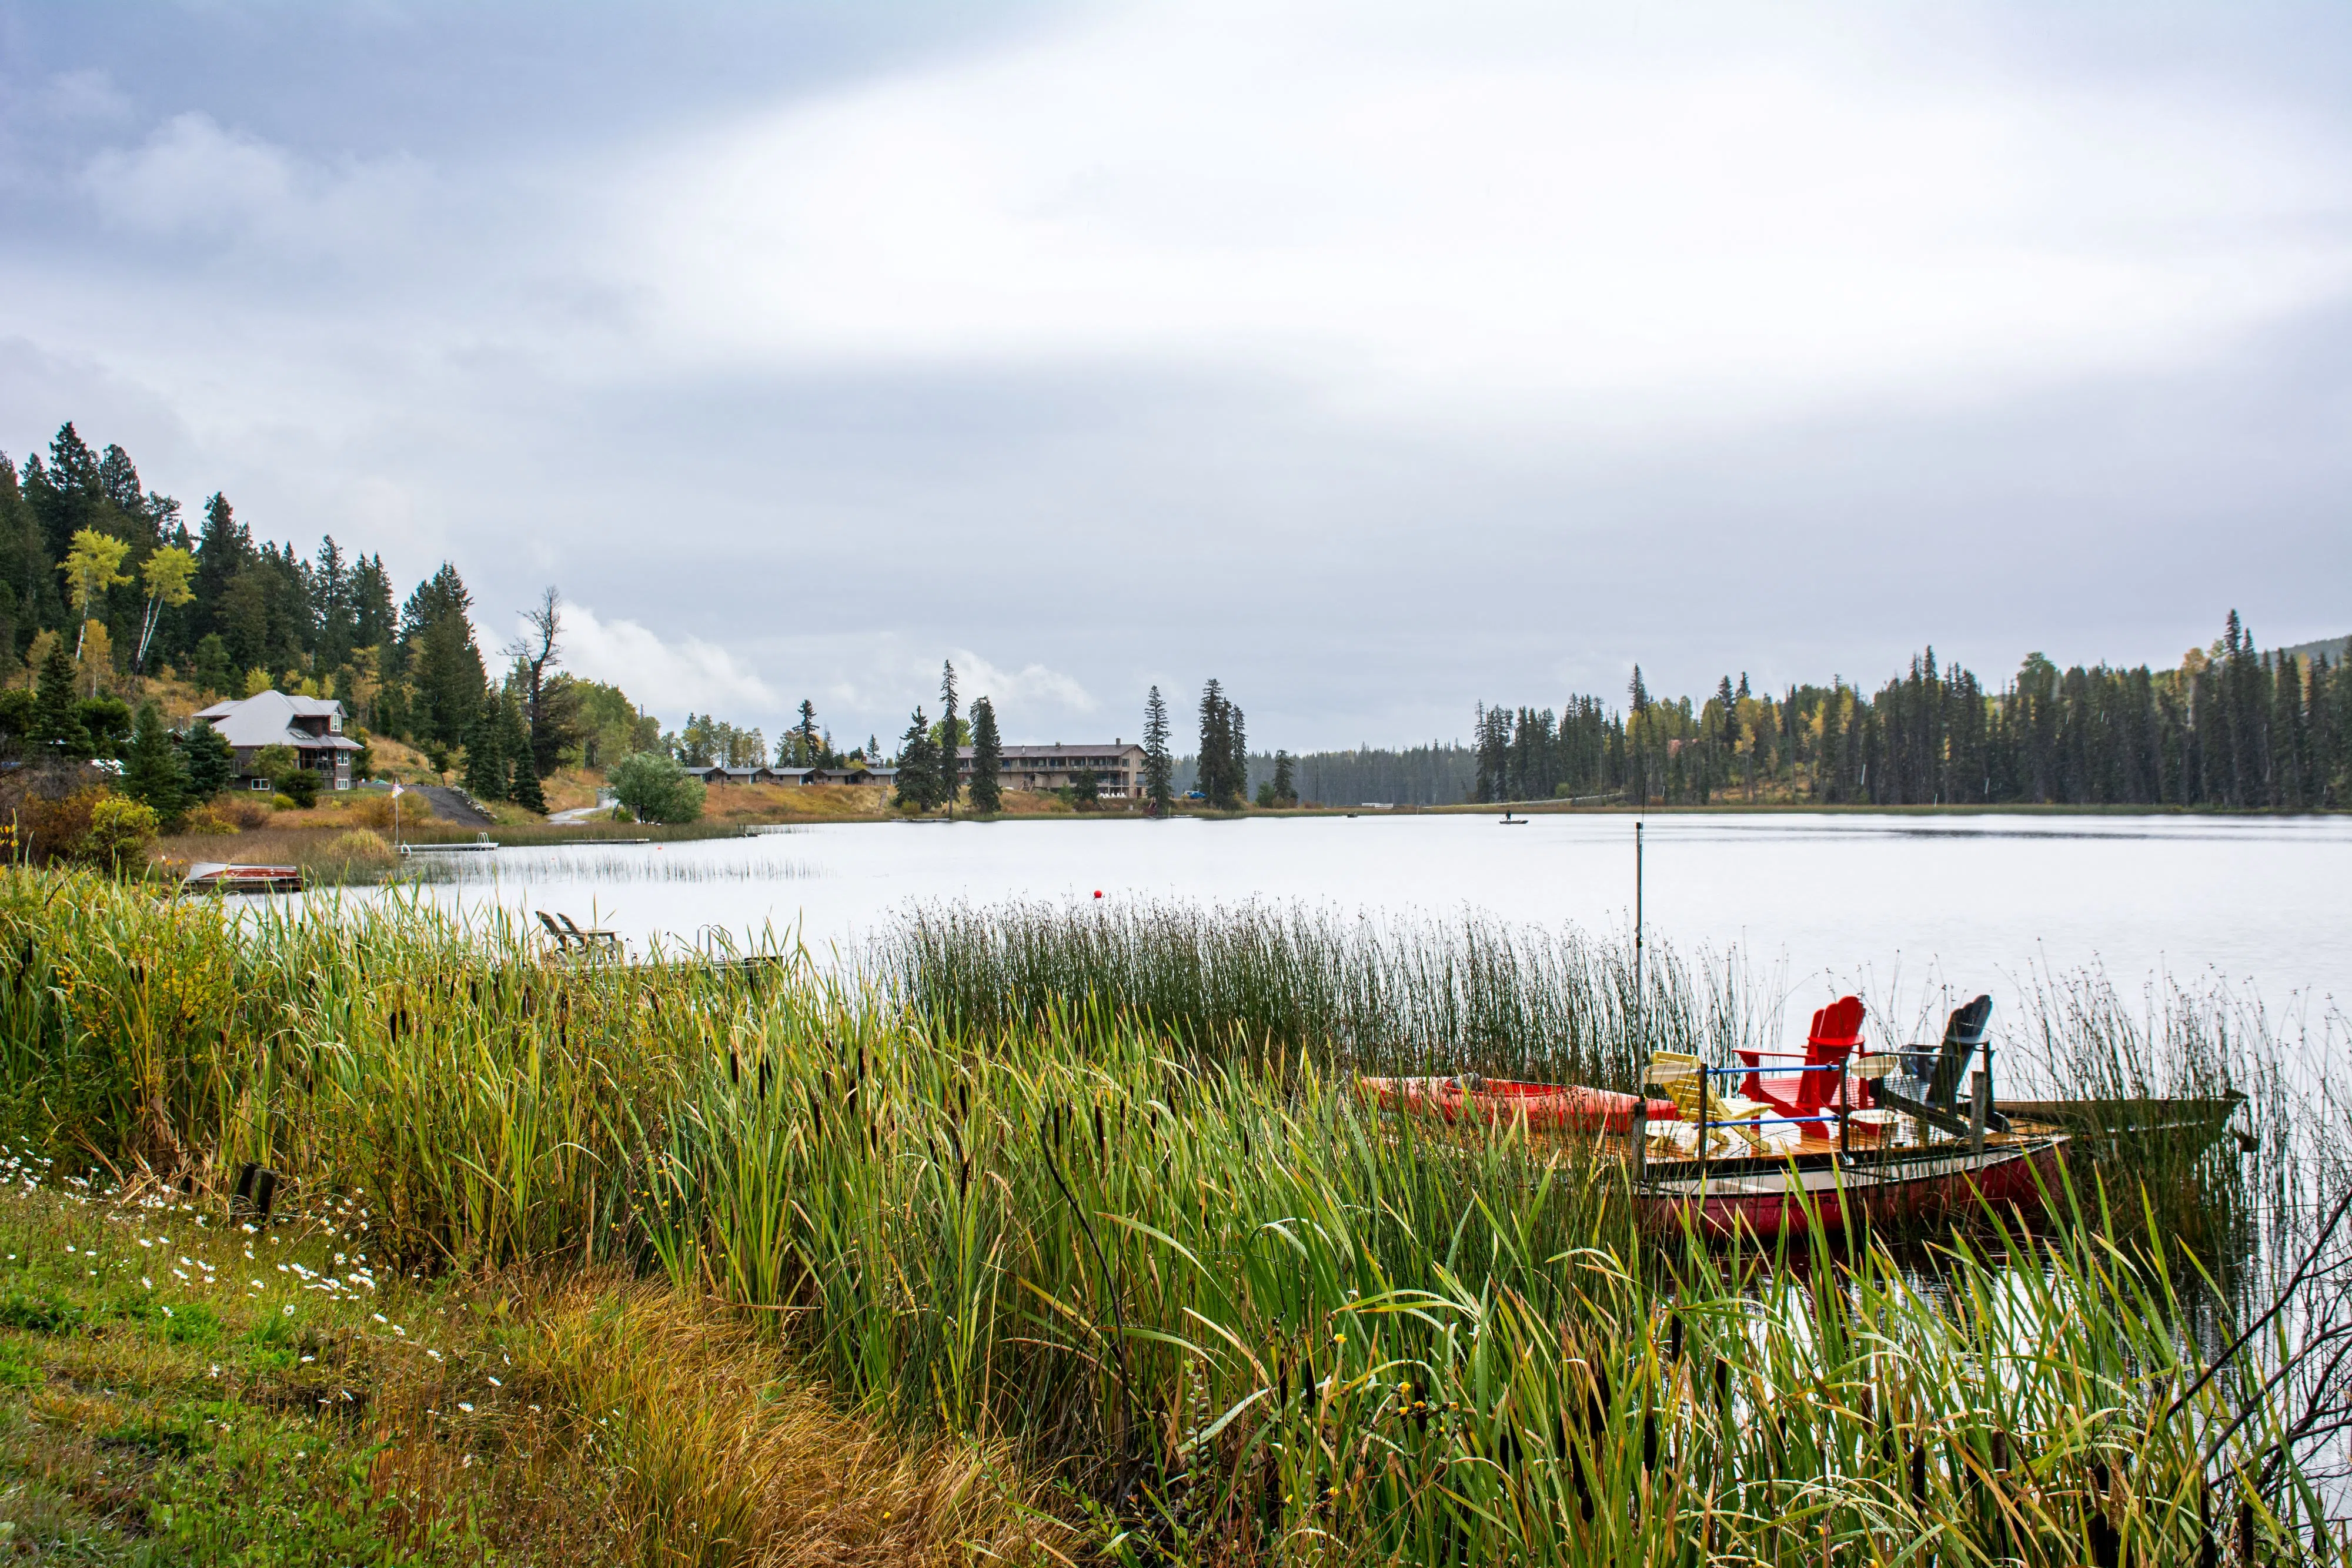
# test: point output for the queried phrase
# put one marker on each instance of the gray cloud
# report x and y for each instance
(1373, 365)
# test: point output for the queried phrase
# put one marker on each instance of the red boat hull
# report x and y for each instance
(1756, 1198)
(1546, 1107)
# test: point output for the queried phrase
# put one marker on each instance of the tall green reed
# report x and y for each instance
(1178, 1261)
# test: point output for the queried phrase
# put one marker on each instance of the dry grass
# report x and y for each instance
(514, 1417)
(719, 1455)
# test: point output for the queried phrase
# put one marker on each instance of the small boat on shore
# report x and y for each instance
(220, 877)
(1842, 1136)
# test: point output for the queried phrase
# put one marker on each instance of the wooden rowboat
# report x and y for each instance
(1766, 1195)
(2196, 1119)
(216, 876)
(1760, 1192)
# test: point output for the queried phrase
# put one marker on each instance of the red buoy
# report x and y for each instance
(1098, 892)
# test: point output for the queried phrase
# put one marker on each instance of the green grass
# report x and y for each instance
(1095, 1208)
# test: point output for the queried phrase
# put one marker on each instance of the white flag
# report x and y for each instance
(397, 792)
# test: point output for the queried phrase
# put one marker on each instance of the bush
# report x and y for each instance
(282, 803)
(244, 810)
(360, 845)
(209, 820)
(52, 827)
(656, 789)
(374, 810)
(120, 829)
(302, 784)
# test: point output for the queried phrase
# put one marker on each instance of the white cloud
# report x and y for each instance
(1459, 217)
(669, 678)
(195, 177)
(1030, 686)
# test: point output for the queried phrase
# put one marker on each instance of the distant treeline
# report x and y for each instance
(2232, 725)
(1438, 773)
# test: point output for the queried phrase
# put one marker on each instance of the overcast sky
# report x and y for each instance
(1376, 359)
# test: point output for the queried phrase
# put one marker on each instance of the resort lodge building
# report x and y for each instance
(312, 727)
(1117, 768)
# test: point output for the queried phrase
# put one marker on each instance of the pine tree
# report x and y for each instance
(809, 752)
(915, 785)
(950, 752)
(152, 771)
(1237, 759)
(987, 754)
(1158, 767)
(207, 761)
(486, 775)
(1286, 785)
(515, 741)
(57, 726)
(1221, 783)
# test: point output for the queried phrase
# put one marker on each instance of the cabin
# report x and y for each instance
(1117, 768)
(312, 727)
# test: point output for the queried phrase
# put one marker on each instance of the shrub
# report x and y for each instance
(52, 827)
(302, 785)
(283, 802)
(211, 820)
(656, 789)
(120, 829)
(360, 844)
(374, 810)
(244, 811)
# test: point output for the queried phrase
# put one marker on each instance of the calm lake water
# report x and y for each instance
(1894, 905)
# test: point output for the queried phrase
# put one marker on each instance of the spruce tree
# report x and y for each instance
(515, 743)
(987, 754)
(57, 727)
(1215, 754)
(1158, 767)
(1237, 759)
(1286, 783)
(487, 774)
(950, 762)
(915, 782)
(207, 761)
(152, 773)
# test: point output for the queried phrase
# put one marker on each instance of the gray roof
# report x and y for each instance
(268, 719)
(1056, 753)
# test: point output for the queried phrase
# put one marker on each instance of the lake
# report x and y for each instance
(1894, 906)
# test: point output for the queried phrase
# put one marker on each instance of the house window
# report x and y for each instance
(261, 783)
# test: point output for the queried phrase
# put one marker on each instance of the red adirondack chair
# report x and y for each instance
(1836, 1034)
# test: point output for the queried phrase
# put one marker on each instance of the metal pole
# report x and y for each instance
(1641, 1032)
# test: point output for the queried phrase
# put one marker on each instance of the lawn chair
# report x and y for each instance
(563, 937)
(592, 940)
(1836, 1035)
(1930, 1089)
(1683, 1079)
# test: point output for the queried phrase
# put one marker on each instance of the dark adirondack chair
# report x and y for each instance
(1943, 1070)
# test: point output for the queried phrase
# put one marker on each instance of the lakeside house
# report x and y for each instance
(1118, 767)
(853, 773)
(312, 727)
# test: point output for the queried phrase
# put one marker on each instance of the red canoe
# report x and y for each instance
(1550, 1107)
